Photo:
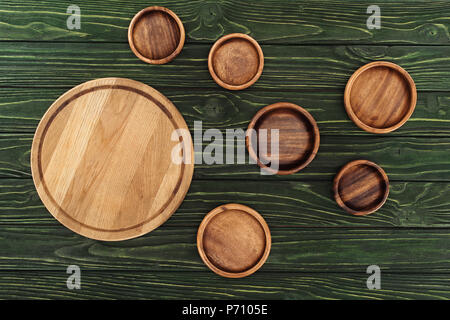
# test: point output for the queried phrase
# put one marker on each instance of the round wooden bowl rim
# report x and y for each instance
(348, 104)
(218, 210)
(283, 105)
(219, 43)
(337, 180)
(138, 16)
(103, 235)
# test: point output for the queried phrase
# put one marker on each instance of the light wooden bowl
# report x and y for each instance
(361, 187)
(380, 97)
(299, 137)
(156, 35)
(101, 159)
(236, 61)
(233, 240)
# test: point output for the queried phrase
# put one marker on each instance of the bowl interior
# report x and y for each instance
(234, 241)
(156, 34)
(362, 187)
(236, 61)
(295, 138)
(380, 97)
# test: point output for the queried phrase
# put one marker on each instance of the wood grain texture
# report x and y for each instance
(419, 250)
(361, 187)
(156, 35)
(170, 285)
(322, 67)
(299, 204)
(35, 73)
(94, 163)
(235, 61)
(380, 97)
(233, 240)
(428, 159)
(22, 108)
(417, 22)
(296, 141)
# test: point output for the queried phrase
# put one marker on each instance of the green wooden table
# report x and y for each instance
(311, 48)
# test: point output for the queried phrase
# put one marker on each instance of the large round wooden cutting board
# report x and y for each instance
(102, 162)
(380, 97)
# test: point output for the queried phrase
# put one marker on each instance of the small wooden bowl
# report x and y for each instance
(156, 35)
(233, 240)
(361, 187)
(299, 136)
(380, 97)
(235, 61)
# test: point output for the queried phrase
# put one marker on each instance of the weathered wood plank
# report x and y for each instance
(174, 249)
(200, 285)
(286, 67)
(268, 21)
(403, 158)
(22, 108)
(302, 204)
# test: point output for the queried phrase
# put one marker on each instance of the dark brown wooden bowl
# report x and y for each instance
(380, 97)
(361, 187)
(299, 136)
(233, 240)
(236, 61)
(156, 35)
